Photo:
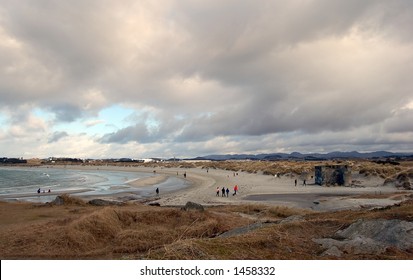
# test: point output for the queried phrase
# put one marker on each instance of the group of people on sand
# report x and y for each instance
(225, 191)
(39, 191)
(304, 182)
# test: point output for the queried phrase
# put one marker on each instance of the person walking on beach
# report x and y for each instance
(227, 191)
(157, 191)
(217, 191)
(235, 189)
(304, 183)
(223, 191)
(295, 182)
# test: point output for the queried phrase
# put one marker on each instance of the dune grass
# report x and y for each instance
(292, 240)
(137, 231)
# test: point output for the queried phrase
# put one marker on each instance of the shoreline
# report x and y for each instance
(134, 186)
(42, 194)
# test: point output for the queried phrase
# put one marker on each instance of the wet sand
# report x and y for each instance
(42, 194)
(149, 181)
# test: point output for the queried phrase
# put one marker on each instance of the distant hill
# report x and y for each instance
(310, 156)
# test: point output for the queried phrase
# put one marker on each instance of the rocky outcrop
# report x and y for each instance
(369, 237)
(102, 202)
(66, 199)
(59, 200)
(157, 204)
(193, 206)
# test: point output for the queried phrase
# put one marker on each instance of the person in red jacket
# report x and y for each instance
(235, 190)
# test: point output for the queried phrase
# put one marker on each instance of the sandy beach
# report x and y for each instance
(259, 188)
(252, 188)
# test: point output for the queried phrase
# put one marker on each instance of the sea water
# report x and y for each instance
(22, 182)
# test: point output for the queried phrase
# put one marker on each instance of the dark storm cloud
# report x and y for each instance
(66, 112)
(136, 133)
(57, 135)
(401, 122)
(285, 80)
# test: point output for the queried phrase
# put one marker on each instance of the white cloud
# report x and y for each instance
(93, 122)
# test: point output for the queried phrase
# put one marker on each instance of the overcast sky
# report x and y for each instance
(102, 78)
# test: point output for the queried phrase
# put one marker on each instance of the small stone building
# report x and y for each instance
(331, 175)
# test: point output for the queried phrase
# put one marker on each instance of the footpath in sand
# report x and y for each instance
(258, 188)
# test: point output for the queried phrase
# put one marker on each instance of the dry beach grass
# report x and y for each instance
(81, 231)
